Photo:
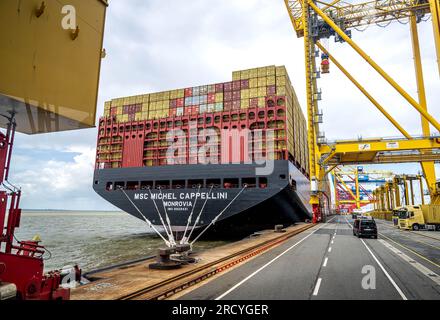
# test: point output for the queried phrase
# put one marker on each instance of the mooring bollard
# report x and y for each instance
(279, 228)
(182, 254)
(163, 261)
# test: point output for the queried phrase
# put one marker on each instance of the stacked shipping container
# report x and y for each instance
(260, 98)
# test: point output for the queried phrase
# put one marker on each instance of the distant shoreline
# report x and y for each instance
(42, 212)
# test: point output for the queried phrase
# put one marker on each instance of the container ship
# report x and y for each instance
(233, 153)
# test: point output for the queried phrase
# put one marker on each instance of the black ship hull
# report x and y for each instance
(281, 197)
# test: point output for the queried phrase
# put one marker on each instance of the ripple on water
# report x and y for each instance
(93, 239)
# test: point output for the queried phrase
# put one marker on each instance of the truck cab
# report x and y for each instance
(419, 217)
(399, 213)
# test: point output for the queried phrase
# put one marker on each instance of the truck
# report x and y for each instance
(419, 217)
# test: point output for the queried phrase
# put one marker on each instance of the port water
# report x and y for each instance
(92, 239)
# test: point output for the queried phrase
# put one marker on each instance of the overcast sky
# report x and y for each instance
(159, 45)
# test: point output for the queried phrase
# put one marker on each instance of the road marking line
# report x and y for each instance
(269, 263)
(317, 286)
(407, 248)
(386, 273)
(330, 249)
(332, 242)
(325, 262)
(381, 266)
(427, 272)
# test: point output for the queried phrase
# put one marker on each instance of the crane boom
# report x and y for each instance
(349, 16)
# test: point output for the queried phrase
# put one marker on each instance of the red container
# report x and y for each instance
(180, 102)
(188, 92)
(211, 98)
(173, 112)
(236, 95)
(219, 88)
(113, 111)
(173, 103)
(236, 105)
(244, 84)
(227, 86)
(227, 96)
(254, 102)
(271, 90)
(236, 85)
(228, 105)
(132, 117)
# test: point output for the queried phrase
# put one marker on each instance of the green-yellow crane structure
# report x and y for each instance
(315, 20)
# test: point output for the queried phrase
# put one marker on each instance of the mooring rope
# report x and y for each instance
(170, 233)
(168, 218)
(199, 216)
(146, 220)
(218, 216)
(190, 216)
(184, 239)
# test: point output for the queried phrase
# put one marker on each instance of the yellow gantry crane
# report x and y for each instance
(315, 20)
(399, 191)
(348, 186)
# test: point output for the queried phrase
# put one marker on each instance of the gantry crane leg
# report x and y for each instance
(427, 167)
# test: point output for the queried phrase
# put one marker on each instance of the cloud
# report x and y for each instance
(160, 45)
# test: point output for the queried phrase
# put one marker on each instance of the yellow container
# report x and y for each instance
(281, 91)
(281, 81)
(146, 98)
(262, 92)
(253, 73)
(271, 80)
(173, 94)
(244, 103)
(253, 83)
(281, 71)
(122, 117)
(119, 110)
(271, 71)
(145, 115)
(261, 102)
(219, 97)
(245, 93)
(180, 93)
(262, 72)
(117, 102)
(236, 75)
(166, 95)
(107, 105)
(154, 97)
(145, 107)
(253, 93)
(245, 74)
(262, 82)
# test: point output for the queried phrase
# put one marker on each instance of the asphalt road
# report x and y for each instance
(328, 262)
